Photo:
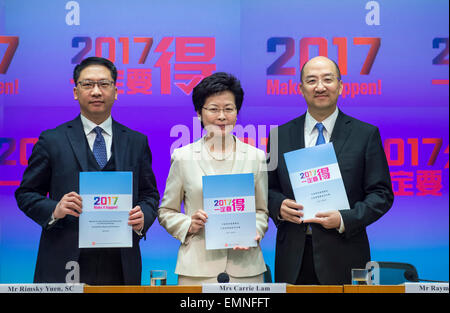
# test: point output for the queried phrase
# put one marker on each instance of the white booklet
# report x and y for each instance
(107, 200)
(316, 179)
(229, 201)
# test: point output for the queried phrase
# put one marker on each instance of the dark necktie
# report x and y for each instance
(320, 138)
(99, 148)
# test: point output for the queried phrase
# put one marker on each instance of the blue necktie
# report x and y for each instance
(99, 148)
(320, 138)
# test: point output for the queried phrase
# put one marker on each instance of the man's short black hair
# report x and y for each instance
(214, 84)
(94, 61)
(338, 71)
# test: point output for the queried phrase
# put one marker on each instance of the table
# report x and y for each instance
(289, 289)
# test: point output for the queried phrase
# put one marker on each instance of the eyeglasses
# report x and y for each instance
(314, 81)
(103, 84)
(226, 111)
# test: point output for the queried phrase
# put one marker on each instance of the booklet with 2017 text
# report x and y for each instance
(107, 200)
(316, 179)
(229, 201)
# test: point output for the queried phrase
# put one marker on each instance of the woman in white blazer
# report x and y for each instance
(217, 100)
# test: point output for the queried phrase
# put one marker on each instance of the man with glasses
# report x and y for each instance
(324, 249)
(93, 141)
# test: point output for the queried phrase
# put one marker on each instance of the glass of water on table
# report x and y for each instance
(360, 276)
(158, 278)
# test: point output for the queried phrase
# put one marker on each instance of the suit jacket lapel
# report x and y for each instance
(341, 131)
(297, 134)
(240, 157)
(120, 145)
(197, 155)
(77, 139)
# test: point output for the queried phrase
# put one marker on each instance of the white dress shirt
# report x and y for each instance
(107, 133)
(311, 134)
(89, 126)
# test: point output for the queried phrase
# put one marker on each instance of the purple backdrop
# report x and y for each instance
(393, 56)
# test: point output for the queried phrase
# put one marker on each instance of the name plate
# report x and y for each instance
(426, 288)
(244, 288)
(41, 288)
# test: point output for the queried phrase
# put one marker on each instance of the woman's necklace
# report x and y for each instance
(219, 156)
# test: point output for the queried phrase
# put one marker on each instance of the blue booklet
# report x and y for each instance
(107, 200)
(229, 201)
(316, 179)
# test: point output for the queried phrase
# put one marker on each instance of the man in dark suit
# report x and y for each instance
(324, 249)
(90, 142)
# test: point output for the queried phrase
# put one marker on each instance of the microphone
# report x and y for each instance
(223, 278)
(412, 276)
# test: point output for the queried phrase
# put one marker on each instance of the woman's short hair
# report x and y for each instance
(214, 84)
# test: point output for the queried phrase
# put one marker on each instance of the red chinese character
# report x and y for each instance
(163, 64)
(429, 183)
(222, 209)
(446, 152)
(402, 179)
(119, 82)
(139, 81)
(324, 173)
(193, 49)
(239, 204)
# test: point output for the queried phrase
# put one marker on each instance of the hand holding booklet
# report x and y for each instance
(316, 179)
(229, 201)
(107, 200)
